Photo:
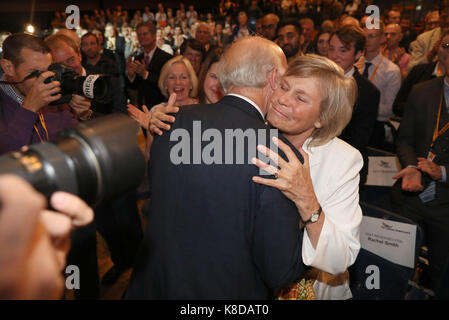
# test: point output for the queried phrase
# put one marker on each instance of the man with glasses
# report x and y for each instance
(269, 26)
(425, 47)
(422, 190)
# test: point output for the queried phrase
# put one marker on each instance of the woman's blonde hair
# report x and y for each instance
(338, 94)
(164, 74)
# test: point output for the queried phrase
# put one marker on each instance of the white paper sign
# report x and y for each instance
(381, 171)
(391, 240)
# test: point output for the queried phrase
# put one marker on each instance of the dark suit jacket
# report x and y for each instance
(419, 73)
(148, 89)
(359, 130)
(212, 232)
(417, 127)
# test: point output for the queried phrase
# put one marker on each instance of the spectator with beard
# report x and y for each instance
(98, 63)
(289, 40)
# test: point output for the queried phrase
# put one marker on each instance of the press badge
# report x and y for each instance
(429, 193)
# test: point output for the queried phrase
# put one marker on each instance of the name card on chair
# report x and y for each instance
(391, 240)
(381, 171)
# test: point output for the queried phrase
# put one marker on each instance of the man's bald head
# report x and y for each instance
(248, 62)
(269, 26)
(393, 35)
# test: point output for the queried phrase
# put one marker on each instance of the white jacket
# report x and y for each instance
(335, 170)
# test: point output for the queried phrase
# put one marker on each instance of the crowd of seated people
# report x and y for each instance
(161, 58)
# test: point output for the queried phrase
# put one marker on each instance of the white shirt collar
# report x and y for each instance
(249, 101)
(350, 73)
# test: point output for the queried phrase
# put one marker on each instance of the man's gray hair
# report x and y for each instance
(248, 61)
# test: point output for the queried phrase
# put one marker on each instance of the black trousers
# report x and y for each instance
(434, 219)
(119, 224)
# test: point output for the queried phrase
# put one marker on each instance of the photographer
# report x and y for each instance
(66, 52)
(26, 116)
(33, 241)
(117, 220)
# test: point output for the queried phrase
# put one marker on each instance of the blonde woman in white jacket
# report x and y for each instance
(311, 107)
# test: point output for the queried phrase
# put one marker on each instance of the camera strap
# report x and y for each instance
(42, 121)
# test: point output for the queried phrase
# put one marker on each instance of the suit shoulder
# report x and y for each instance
(163, 55)
(426, 85)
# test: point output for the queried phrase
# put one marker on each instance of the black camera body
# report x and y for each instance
(95, 86)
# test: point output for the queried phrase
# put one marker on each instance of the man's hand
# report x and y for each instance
(140, 68)
(41, 94)
(411, 179)
(33, 241)
(431, 168)
(80, 106)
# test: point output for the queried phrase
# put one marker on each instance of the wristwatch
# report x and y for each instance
(314, 218)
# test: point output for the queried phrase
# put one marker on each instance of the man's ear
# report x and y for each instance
(8, 67)
(273, 79)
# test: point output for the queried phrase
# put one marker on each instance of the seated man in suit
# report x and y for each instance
(144, 69)
(422, 191)
(212, 232)
(346, 47)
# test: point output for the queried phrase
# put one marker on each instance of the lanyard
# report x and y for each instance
(42, 121)
(438, 132)
(375, 70)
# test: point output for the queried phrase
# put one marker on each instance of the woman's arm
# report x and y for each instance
(332, 243)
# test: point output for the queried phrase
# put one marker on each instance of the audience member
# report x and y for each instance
(346, 47)
(194, 51)
(308, 32)
(393, 16)
(321, 43)
(425, 47)
(288, 39)
(386, 76)
(143, 69)
(392, 50)
(270, 23)
(419, 73)
(421, 192)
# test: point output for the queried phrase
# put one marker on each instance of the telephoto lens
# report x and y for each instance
(96, 87)
(96, 160)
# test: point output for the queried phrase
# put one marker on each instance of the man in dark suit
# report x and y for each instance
(144, 69)
(422, 191)
(345, 48)
(213, 233)
(419, 73)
